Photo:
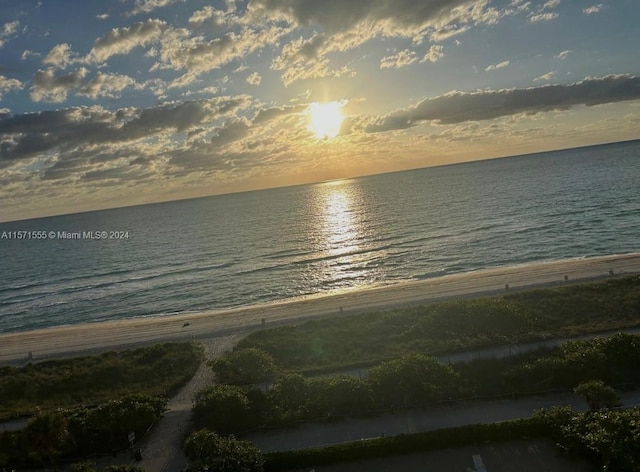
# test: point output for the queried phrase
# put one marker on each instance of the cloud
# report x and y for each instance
(210, 90)
(195, 55)
(392, 17)
(339, 26)
(147, 6)
(268, 114)
(254, 79)
(545, 77)
(107, 85)
(500, 65)
(313, 70)
(593, 9)
(200, 16)
(47, 87)
(201, 155)
(8, 31)
(123, 40)
(447, 32)
(434, 54)
(457, 107)
(543, 17)
(212, 18)
(398, 60)
(550, 4)
(7, 85)
(563, 55)
(60, 56)
(31, 134)
(27, 53)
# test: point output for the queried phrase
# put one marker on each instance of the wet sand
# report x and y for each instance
(92, 337)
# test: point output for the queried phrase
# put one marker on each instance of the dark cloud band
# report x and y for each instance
(458, 107)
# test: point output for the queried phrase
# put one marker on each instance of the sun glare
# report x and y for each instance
(325, 119)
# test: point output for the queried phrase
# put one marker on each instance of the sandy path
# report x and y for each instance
(162, 450)
(14, 347)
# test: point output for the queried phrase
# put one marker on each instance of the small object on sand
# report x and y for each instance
(566, 277)
(610, 271)
(506, 286)
(186, 323)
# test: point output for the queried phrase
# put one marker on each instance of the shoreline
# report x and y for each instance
(122, 334)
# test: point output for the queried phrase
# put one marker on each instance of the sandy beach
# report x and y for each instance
(68, 340)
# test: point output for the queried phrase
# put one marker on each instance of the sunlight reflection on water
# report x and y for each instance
(340, 234)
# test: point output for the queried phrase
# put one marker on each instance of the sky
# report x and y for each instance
(114, 103)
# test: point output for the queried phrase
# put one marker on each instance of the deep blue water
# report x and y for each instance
(277, 244)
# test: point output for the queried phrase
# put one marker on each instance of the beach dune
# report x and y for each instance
(91, 337)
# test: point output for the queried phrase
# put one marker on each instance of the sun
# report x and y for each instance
(325, 119)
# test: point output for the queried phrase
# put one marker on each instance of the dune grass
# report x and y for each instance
(369, 338)
(155, 371)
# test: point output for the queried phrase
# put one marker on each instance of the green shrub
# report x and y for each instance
(208, 451)
(612, 359)
(154, 370)
(223, 408)
(608, 438)
(244, 367)
(414, 379)
(54, 435)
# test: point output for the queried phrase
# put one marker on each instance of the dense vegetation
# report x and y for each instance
(154, 370)
(207, 450)
(244, 367)
(614, 360)
(397, 349)
(608, 438)
(66, 433)
(416, 380)
(369, 338)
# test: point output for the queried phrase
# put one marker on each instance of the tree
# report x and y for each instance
(105, 427)
(598, 395)
(412, 379)
(48, 433)
(614, 436)
(291, 395)
(607, 437)
(206, 449)
(349, 395)
(223, 408)
(244, 367)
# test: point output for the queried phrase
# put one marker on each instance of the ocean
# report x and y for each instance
(286, 243)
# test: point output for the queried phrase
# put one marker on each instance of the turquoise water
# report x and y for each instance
(257, 247)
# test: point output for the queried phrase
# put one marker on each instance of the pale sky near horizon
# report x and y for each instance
(112, 103)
